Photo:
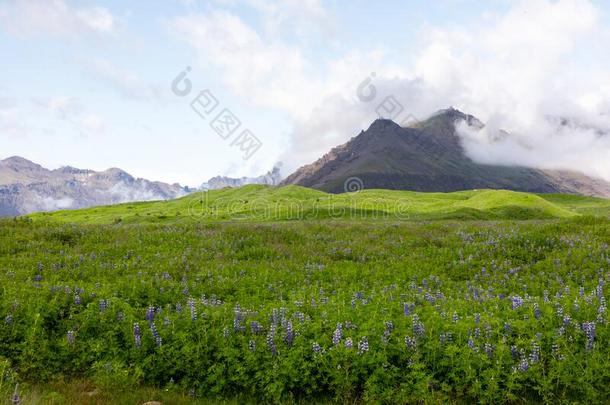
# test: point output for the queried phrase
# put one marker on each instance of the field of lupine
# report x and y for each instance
(306, 311)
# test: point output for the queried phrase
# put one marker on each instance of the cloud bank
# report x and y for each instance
(538, 72)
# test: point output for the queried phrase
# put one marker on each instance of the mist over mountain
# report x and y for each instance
(27, 187)
(429, 156)
(271, 178)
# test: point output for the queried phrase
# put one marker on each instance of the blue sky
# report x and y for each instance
(88, 83)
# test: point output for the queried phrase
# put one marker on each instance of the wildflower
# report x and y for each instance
(9, 319)
(150, 314)
(153, 330)
(255, 328)
(363, 345)
(77, 299)
(136, 334)
(70, 337)
(337, 334)
(535, 354)
(271, 340)
(103, 305)
(418, 327)
(410, 342)
(316, 347)
(506, 327)
(191, 305)
(523, 366)
(516, 302)
(252, 345)
(514, 352)
(408, 308)
(289, 338)
(455, 317)
(477, 318)
(489, 349)
(589, 329)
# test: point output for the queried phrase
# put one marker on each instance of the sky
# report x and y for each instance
(183, 90)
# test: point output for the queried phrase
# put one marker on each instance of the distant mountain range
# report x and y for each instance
(27, 187)
(271, 178)
(428, 156)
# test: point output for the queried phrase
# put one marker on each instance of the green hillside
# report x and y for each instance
(263, 203)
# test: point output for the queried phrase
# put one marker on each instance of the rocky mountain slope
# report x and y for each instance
(428, 157)
(28, 187)
(271, 178)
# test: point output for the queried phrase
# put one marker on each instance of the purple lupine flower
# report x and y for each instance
(338, 334)
(545, 295)
(477, 318)
(410, 342)
(153, 330)
(191, 305)
(77, 299)
(255, 328)
(582, 291)
(523, 366)
(271, 339)
(316, 348)
(150, 314)
(455, 317)
(363, 345)
(506, 327)
(418, 327)
(289, 338)
(237, 318)
(567, 320)
(103, 305)
(477, 333)
(589, 329)
(349, 343)
(70, 337)
(9, 319)
(514, 352)
(516, 302)
(470, 343)
(136, 335)
(179, 308)
(489, 349)
(407, 308)
(535, 354)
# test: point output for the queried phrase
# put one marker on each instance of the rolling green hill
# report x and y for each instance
(263, 203)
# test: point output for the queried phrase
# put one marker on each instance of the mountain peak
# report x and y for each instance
(18, 162)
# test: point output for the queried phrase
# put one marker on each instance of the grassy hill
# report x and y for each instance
(263, 203)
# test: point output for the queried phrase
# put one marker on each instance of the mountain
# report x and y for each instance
(271, 178)
(428, 156)
(27, 187)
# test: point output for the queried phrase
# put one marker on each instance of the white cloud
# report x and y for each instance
(72, 111)
(31, 18)
(514, 71)
(125, 82)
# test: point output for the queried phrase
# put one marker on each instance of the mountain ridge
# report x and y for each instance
(26, 187)
(428, 156)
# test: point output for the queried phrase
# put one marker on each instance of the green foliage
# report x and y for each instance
(289, 203)
(71, 294)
